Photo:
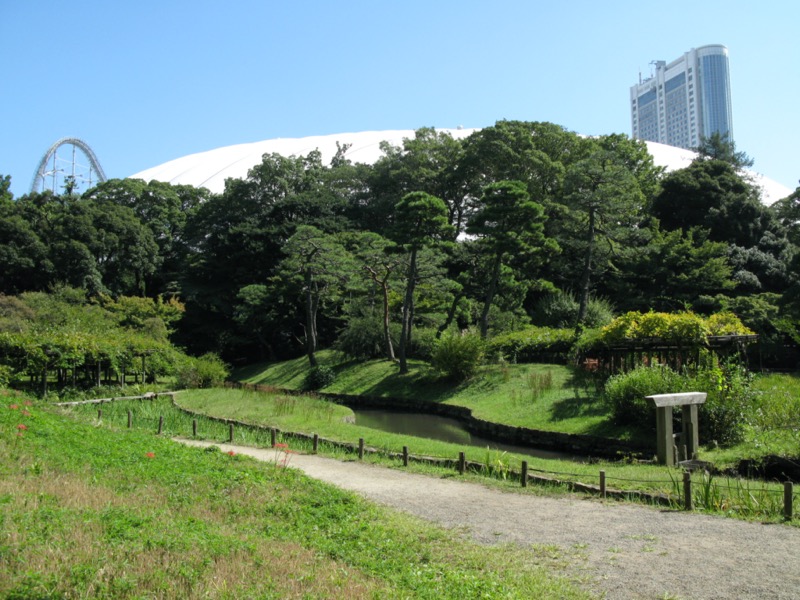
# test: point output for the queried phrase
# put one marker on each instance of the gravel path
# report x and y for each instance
(622, 551)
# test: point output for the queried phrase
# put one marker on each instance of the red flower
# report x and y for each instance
(22, 427)
(281, 446)
(231, 452)
(13, 406)
(25, 413)
(150, 454)
(28, 403)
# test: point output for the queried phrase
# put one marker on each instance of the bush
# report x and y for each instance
(362, 338)
(207, 371)
(560, 310)
(730, 403)
(458, 356)
(6, 374)
(319, 377)
(534, 344)
(423, 342)
(624, 394)
(728, 407)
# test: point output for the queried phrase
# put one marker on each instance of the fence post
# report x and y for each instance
(687, 490)
(316, 443)
(160, 424)
(130, 419)
(99, 413)
(272, 436)
(788, 493)
(462, 463)
(524, 474)
(194, 427)
(360, 448)
(602, 484)
(405, 456)
(230, 433)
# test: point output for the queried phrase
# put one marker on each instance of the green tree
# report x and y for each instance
(319, 266)
(420, 220)
(669, 270)
(604, 201)
(381, 265)
(426, 163)
(508, 224)
(712, 195)
(719, 146)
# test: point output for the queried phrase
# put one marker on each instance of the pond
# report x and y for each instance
(443, 429)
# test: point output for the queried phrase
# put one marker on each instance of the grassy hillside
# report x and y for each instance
(548, 397)
(90, 511)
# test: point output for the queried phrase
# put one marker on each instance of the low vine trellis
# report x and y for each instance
(626, 355)
(683, 496)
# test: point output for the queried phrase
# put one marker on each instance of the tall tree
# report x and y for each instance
(320, 266)
(720, 147)
(711, 194)
(426, 163)
(420, 220)
(604, 201)
(508, 225)
(381, 265)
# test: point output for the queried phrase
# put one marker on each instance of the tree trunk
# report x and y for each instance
(387, 336)
(490, 292)
(587, 270)
(451, 314)
(311, 320)
(405, 333)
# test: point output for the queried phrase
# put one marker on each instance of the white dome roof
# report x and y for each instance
(210, 169)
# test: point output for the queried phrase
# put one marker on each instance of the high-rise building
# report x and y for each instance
(685, 100)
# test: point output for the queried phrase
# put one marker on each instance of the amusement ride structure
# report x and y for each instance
(57, 171)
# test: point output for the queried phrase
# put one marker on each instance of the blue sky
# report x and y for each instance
(148, 81)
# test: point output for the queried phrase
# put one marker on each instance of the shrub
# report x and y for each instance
(6, 374)
(560, 310)
(362, 338)
(534, 344)
(730, 403)
(423, 342)
(686, 328)
(722, 418)
(206, 371)
(624, 394)
(458, 356)
(319, 377)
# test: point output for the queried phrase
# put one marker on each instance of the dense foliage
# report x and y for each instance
(519, 223)
(65, 340)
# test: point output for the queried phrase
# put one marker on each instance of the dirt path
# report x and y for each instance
(623, 551)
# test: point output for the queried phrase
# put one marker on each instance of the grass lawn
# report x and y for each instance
(511, 395)
(517, 395)
(750, 499)
(90, 509)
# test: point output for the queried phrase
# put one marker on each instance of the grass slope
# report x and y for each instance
(508, 394)
(92, 511)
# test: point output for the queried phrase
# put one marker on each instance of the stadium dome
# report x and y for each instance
(210, 169)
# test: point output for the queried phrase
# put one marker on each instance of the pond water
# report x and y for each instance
(443, 429)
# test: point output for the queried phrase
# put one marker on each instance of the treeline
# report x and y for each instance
(519, 223)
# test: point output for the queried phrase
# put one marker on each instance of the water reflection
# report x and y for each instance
(444, 429)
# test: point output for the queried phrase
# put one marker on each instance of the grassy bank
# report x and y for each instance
(735, 497)
(97, 511)
(547, 397)
(570, 403)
